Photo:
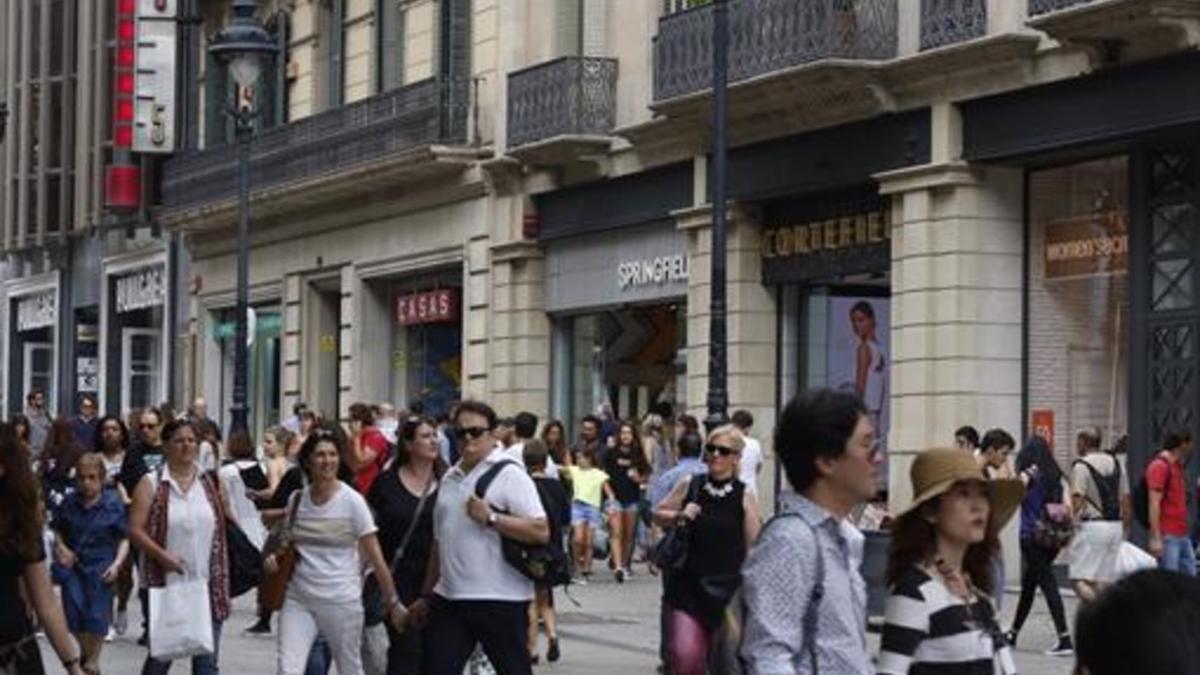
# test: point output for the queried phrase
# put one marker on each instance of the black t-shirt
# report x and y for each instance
(395, 508)
(140, 460)
(557, 505)
(618, 462)
(14, 621)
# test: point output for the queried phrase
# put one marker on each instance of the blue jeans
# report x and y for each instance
(1178, 556)
(204, 664)
(319, 658)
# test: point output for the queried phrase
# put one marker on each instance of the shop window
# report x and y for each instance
(630, 361)
(140, 351)
(1078, 312)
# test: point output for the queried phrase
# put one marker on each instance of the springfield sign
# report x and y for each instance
(141, 289)
(652, 271)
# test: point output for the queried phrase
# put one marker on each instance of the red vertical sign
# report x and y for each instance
(1043, 425)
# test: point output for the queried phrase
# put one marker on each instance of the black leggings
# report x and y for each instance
(1037, 571)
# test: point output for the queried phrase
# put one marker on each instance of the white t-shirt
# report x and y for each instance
(750, 462)
(472, 565)
(247, 513)
(328, 567)
(516, 452)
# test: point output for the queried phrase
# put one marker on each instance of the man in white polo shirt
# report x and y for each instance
(479, 598)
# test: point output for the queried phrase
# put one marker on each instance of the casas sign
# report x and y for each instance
(429, 307)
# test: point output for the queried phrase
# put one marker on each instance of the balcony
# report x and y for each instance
(561, 109)
(768, 36)
(948, 22)
(1119, 29)
(383, 141)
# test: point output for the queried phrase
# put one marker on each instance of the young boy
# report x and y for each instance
(558, 515)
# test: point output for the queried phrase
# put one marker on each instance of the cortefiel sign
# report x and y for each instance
(154, 80)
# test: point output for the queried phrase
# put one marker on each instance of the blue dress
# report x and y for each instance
(93, 534)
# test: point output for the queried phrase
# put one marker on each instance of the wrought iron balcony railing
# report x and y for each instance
(573, 95)
(946, 22)
(1039, 7)
(387, 124)
(767, 36)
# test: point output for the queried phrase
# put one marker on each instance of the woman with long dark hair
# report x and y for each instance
(940, 616)
(554, 435)
(402, 498)
(628, 471)
(58, 461)
(23, 565)
(1044, 488)
(112, 444)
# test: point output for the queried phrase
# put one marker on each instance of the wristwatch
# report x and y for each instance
(492, 519)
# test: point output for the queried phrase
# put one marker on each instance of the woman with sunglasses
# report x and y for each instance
(940, 616)
(335, 536)
(403, 497)
(723, 521)
(628, 471)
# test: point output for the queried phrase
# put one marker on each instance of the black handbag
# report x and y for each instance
(671, 552)
(245, 561)
(544, 564)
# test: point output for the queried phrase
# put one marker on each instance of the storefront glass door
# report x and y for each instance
(39, 369)
(141, 353)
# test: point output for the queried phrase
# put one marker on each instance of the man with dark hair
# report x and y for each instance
(505, 433)
(806, 563)
(292, 423)
(84, 423)
(994, 450)
(589, 439)
(524, 428)
(478, 597)
(750, 463)
(39, 421)
(1100, 502)
(1145, 624)
(966, 438)
(1167, 491)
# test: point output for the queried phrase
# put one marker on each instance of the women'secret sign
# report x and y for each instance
(652, 271)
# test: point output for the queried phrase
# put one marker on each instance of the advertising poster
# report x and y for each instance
(858, 357)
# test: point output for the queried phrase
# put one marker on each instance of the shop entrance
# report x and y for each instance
(324, 347)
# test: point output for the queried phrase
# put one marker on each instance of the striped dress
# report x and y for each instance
(930, 631)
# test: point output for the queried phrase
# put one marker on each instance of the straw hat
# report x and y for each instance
(934, 472)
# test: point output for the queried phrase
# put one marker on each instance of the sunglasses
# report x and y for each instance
(470, 432)
(714, 449)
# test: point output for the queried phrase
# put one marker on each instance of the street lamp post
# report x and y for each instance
(243, 45)
(718, 393)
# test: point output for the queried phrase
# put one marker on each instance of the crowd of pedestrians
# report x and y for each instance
(394, 543)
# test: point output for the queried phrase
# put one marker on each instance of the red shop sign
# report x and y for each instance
(429, 307)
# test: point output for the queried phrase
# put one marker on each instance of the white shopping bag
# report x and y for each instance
(180, 620)
(1132, 559)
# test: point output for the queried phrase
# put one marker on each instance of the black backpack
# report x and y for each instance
(1141, 492)
(544, 564)
(1109, 488)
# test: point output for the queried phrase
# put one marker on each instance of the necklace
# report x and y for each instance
(718, 491)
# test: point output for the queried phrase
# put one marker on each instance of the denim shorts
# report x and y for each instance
(621, 507)
(582, 512)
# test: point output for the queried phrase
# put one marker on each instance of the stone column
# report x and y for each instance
(957, 247)
(347, 391)
(477, 300)
(751, 323)
(293, 342)
(520, 336)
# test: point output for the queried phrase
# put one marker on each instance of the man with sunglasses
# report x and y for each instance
(145, 457)
(478, 598)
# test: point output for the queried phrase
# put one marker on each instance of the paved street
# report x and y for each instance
(613, 630)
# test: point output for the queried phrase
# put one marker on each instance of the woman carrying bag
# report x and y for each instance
(1043, 514)
(940, 616)
(177, 522)
(333, 533)
(723, 522)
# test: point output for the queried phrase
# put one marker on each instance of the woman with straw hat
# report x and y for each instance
(940, 617)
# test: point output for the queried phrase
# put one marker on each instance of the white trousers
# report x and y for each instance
(341, 624)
